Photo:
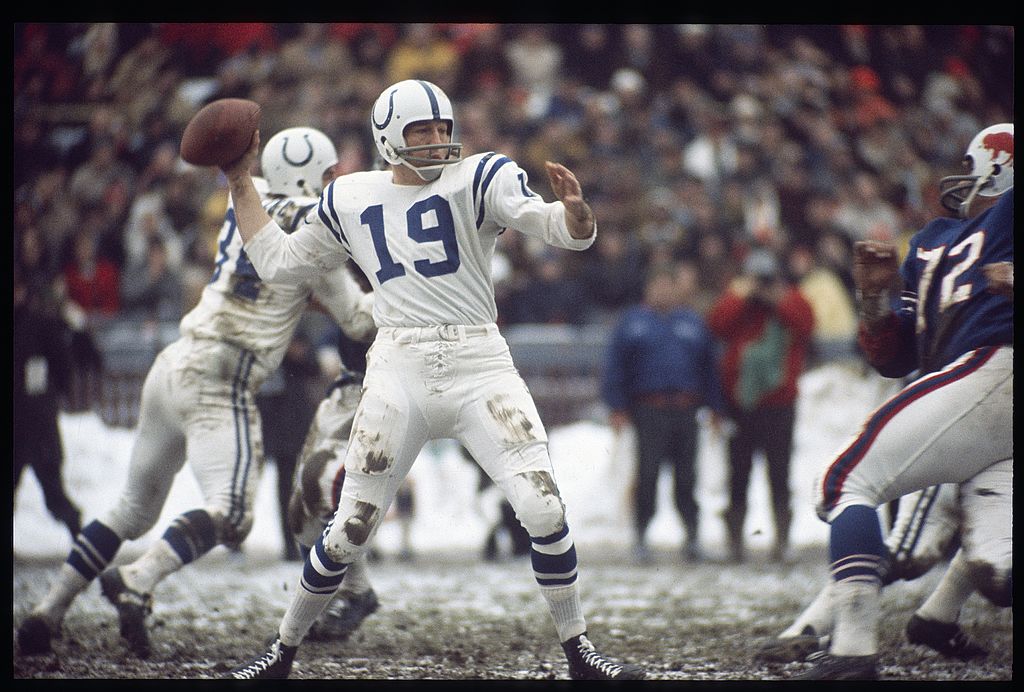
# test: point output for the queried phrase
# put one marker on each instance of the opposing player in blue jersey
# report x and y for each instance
(952, 322)
(424, 234)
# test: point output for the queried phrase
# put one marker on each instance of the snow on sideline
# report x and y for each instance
(591, 466)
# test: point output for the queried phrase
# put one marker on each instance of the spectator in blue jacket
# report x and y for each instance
(660, 369)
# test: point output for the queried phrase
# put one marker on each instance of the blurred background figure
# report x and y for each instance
(550, 295)
(93, 281)
(765, 327)
(660, 369)
(42, 374)
(423, 51)
(153, 291)
(613, 274)
(835, 318)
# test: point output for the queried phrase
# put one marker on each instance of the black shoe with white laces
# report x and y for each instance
(585, 663)
(274, 664)
(132, 609)
(831, 667)
(944, 637)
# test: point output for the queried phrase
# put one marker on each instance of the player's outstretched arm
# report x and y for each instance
(249, 211)
(579, 217)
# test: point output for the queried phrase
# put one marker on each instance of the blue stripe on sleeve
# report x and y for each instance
(331, 220)
(498, 163)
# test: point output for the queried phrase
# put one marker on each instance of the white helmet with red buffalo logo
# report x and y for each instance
(989, 159)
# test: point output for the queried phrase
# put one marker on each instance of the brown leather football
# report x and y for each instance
(220, 132)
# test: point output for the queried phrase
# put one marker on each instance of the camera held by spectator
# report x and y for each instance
(764, 273)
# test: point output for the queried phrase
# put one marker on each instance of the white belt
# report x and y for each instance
(443, 332)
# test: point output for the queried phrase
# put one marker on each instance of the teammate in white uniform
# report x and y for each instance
(424, 233)
(953, 324)
(198, 406)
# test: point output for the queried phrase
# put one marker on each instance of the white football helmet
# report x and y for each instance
(989, 159)
(404, 103)
(295, 159)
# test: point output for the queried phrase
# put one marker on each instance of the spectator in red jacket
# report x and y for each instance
(93, 282)
(765, 326)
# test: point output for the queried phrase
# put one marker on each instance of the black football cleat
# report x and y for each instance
(274, 664)
(944, 637)
(35, 636)
(831, 667)
(585, 663)
(788, 649)
(132, 609)
(343, 616)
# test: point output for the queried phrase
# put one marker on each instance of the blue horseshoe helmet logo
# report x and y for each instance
(297, 164)
(391, 111)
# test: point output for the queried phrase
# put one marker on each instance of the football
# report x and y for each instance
(220, 132)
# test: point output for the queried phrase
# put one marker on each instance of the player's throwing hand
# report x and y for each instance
(243, 164)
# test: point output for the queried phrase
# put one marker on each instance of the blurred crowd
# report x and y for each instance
(691, 141)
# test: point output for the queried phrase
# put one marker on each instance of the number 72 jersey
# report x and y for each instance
(945, 306)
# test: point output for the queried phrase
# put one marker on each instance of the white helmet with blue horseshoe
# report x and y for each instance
(295, 159)
(404, 103)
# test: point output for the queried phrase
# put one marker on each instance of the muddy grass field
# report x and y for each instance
(455, 617)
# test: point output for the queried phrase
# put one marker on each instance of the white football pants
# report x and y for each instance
(425, 383)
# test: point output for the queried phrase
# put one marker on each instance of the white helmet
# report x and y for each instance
(989, 159)
(294, 161)
(404, 103)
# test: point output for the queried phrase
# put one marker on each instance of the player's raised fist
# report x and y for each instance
(875, 266)
(220, 132)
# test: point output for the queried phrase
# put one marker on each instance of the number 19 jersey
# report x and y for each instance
(426, 249)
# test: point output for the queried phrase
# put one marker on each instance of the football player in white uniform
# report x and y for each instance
(424, 233)
(198, 406)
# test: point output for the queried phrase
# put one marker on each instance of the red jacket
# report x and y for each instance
(96, 294)
(764, 349)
